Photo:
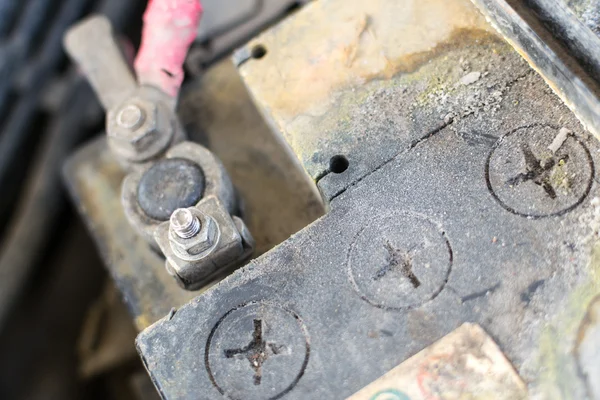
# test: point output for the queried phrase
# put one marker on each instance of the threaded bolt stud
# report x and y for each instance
(185, 224)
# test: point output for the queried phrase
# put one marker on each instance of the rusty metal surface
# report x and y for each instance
(278, 198)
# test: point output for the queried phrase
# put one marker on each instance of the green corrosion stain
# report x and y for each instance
(422, 77)
(557, 362)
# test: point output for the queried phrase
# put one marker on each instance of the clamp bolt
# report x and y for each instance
(131, 116)
(184, 224)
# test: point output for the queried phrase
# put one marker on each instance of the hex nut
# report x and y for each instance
(139, 140)
(194, 265)
(200, 245)
(133, 137)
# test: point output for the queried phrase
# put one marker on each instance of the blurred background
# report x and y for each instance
(64, 332)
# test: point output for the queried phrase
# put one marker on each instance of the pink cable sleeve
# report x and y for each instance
(170, 27)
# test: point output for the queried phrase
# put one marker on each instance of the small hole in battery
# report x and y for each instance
(258, 51)
(338, 164)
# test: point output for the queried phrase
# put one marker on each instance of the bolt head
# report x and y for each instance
(199, 245)
(139, 129)
(130, 116)
(181, 219)
(184, 223)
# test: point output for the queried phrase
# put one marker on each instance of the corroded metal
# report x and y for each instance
(277, 198)
(92, 45)
(222, 243)
(94, 180)
(217, 184)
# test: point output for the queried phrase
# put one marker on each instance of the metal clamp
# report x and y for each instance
(140, 121)
(203, 243)
(150, 195)
(177, 195)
